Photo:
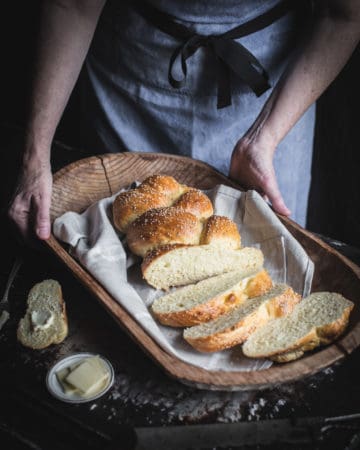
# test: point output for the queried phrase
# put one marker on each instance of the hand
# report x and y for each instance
(252, 166)
(30, 206)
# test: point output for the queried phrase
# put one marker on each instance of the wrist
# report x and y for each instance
(36, 152)
(260, 136)
(36, 158)
(267, 138)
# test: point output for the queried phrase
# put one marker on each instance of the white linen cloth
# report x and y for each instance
(95, 243)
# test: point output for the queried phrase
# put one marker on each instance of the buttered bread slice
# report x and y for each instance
(236, 326)
(176, 265)
(201, 302)
(316, 320)
(45, 321)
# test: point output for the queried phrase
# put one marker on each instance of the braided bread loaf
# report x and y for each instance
(159, 227)
(173, 228)
(158, 191)
(161, 212)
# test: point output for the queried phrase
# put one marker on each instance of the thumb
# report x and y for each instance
(273, 193)
(42, 217)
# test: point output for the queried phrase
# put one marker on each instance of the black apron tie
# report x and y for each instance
(231, 56)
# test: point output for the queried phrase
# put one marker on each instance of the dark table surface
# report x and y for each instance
(142, 395)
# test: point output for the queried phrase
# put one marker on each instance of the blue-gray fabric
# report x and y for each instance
(130, 106)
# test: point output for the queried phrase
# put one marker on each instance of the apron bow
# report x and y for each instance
(231, 56)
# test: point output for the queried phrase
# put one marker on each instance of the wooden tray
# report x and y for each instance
(86, 181)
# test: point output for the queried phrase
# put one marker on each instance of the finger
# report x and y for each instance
(42, 216)
(273, 193)
(19, 215)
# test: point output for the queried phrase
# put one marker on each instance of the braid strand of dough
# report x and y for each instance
(162, 211)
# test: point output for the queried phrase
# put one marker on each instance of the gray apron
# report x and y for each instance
(129, 104)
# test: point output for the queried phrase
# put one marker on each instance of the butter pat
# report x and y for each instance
(97, 363)
(41, 320)
(88, 376)
(66, 387)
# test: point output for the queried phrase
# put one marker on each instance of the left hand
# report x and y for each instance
(30, 207)
(252, 167)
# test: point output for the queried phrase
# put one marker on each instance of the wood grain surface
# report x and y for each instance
(81, 183)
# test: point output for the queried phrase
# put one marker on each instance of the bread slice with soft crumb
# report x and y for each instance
(45, 320)
(235, 326)
(319, 319)
(206, 300)
(176, 265)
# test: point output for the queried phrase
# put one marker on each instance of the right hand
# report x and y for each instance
(252, 166)
(30, 206)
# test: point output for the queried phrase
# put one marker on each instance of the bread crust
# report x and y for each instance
(216, 306)
(240, 332)
(158, 191)
(170, 225)
(156, 213)
(313, 336)
(24, 324)
(162, 226)
(162, 211)
(165, 184)
(155, 191)
(151, 256)
(128, 206)
(195, 202)
(316, 337)
(220, 230)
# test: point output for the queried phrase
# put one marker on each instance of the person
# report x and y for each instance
(156, 78)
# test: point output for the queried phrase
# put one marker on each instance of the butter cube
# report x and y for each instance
(66, 387)
(97, 363)
(87, 376)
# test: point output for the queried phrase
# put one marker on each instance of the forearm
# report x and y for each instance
(67, 28)
(333, 38)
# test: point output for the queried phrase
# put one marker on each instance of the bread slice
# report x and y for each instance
(177, 265)
(45, 321)
(235, 326)
(317, 320)
(206, 300)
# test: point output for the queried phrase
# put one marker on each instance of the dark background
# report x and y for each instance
(146, 395)
(334, 208)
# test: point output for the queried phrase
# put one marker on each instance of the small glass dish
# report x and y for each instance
(54, 387)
